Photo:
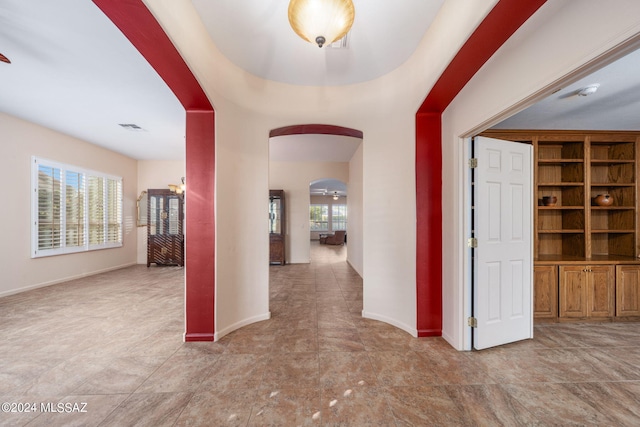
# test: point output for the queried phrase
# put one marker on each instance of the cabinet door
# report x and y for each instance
(628, 290)
(545, 291)
(573, 291)
(601, 291)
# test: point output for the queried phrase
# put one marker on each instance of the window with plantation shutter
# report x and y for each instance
(339, 217)
(96, 210)
(74, 209)
(319, 217)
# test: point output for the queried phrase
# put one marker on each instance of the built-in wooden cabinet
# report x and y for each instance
(586, 251)
(545, 299)
(277, 227)
(586, 291)
(627, 290)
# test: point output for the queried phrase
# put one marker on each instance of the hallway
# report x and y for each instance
(114, 341)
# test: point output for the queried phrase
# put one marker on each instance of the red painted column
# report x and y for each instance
(429, 224)
(200, 227)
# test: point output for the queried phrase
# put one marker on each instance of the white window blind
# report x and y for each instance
(74, 209)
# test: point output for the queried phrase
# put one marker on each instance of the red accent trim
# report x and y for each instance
(316, 129)
(503, 20)
(428, 224)
(500, 24)
(143, 31)
(138, 24)
(198, 337)
(200, 223)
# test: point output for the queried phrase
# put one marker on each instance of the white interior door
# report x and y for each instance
(503, 226)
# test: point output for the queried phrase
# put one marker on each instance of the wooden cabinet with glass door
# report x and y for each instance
(276, 227)
(165, 238)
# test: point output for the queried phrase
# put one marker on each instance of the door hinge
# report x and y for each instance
(473, 322)
(473, 163)
(472, 242)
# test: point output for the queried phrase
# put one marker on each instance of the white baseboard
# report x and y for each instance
(393, 322)
(62, 280)
(221, 333)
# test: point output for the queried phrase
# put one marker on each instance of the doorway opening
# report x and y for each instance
(300, 159)
(516, 118)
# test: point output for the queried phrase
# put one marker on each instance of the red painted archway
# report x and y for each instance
(503, 20)
(315, 129)
(140, 27)
(143, 31)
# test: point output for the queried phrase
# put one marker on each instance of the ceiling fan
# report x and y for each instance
(4, 59)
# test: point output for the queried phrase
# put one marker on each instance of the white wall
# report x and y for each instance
(242, 238)
(354, 212)
(155, 174)
(247, 108)
(560, 38)
(294, 178)
(20, 141)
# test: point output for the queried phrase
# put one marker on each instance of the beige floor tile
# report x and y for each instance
(114, 340)
(287, 407)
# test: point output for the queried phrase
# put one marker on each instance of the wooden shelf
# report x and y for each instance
(613, 231)
(608, 161)
(559, 161)
(561, 184)
(560, 208)
(562, 231)
(613, 208)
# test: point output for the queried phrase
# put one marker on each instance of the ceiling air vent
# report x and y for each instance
(340, 44)
(132, 127)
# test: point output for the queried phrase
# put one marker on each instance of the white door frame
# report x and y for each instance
(464, 197)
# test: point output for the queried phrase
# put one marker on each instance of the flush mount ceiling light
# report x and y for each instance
(321, 21)
(589, 90)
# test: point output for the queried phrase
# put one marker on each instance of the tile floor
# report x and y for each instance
(114, 342)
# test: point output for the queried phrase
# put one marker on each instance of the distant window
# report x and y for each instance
(339, 217)
(319, 217)
(74, 210)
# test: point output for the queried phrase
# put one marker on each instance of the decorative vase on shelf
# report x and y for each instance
(603, 200)
(549, 200)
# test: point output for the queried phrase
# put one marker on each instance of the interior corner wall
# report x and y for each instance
(546, 49)
(20, 141)
(389, 220)
(355, 188)
(242, 228)
(155, 174)
(294, 178)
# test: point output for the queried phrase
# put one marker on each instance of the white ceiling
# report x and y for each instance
(328, 187)
(615, 105)
(74, 72)
(256, 36)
